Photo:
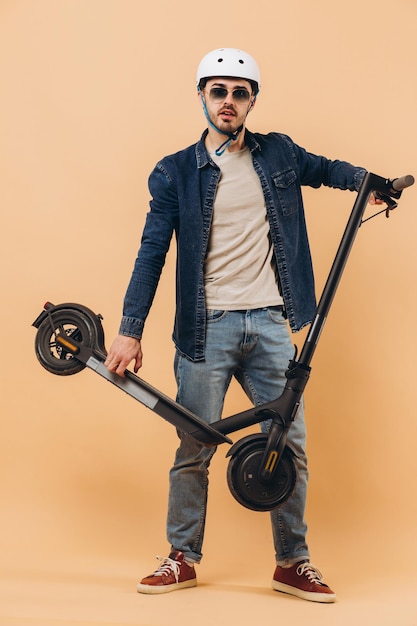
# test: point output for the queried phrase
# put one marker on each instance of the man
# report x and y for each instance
(243, 267)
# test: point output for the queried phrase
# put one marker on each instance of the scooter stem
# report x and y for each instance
(371, 183)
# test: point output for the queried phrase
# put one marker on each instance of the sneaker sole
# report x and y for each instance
(155, 589)
(313, 596)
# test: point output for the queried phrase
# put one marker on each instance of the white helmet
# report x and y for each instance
(231, 63)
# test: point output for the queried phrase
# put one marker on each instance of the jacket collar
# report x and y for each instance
(202, 155)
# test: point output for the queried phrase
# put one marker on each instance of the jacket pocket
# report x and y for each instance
(287, 189)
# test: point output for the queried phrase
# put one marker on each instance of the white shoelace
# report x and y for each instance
(167, 566)
(312, 573)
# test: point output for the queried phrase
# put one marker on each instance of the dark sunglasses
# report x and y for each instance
(217, 94)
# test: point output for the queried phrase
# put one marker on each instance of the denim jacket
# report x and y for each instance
(183, 188)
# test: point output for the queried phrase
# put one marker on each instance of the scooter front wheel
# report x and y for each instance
(243, 475)
(52, 355)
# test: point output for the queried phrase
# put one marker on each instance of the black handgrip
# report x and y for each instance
(398, 184)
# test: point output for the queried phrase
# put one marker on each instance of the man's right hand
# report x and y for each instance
(123, 351)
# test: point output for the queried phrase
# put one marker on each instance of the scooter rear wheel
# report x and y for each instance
(243, 476)
(53, 356)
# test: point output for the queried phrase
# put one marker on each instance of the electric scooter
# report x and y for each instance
(261, 472)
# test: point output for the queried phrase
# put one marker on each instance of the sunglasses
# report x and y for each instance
(218, 94)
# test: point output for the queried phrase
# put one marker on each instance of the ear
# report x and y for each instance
(252, 103)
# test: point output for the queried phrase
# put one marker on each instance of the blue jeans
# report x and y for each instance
(254, 346)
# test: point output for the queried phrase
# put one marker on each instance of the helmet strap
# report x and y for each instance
(232, 137)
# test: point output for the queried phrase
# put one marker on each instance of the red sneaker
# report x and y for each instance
(304, 581)
(173, 573)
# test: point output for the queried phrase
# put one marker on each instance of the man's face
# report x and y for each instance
(228, 101)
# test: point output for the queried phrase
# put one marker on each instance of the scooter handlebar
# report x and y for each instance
(398, 184)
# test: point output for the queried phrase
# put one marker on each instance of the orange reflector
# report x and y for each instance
(67, 344)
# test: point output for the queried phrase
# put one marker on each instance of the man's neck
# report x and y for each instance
(215, 139)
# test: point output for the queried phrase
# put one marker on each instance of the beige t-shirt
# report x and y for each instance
(239, 270)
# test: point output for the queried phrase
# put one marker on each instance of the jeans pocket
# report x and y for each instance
(276, 314)
(214, 315)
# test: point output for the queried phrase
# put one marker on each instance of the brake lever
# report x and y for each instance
(391, 205)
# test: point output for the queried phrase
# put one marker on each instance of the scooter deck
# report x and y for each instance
(161, 404)
(210, 435)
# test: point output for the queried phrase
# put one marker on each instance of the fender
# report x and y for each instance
(49, 309)
(242, 443)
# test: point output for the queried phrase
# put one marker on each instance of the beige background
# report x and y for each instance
(93, 92)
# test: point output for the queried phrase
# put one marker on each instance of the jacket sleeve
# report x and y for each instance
(315, 170)
(161, 222)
